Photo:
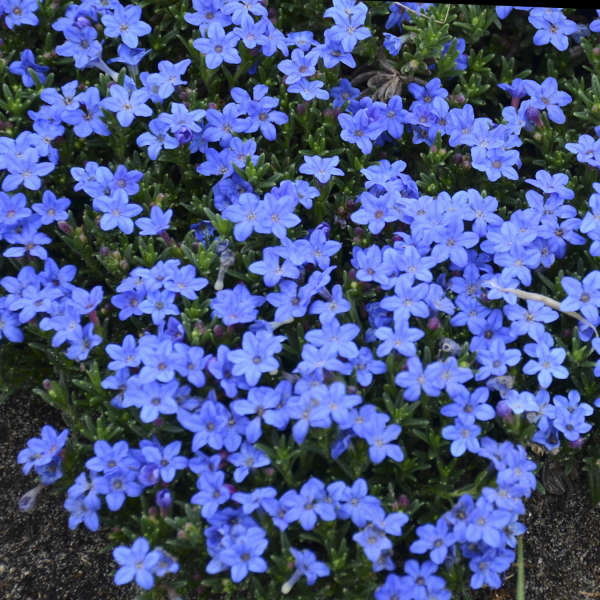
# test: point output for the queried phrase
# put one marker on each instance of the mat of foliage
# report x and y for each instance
(358, 300)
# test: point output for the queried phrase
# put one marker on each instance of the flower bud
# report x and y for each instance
(504, 411)
(286, 588)
(149, 474)
(578, 443)
(226, 259)
(64, 227)
(81, 22)
(183, 135)
(403, 501)
(163, 500)
(27, 501)
(433, 323)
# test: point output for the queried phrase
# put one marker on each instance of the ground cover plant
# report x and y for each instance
(313, 284)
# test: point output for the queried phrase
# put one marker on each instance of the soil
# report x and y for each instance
(561, 547)
(42, 559)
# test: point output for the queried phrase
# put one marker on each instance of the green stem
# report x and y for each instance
(520, 570)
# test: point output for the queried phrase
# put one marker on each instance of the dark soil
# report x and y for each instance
(561, 548)
(42, 559)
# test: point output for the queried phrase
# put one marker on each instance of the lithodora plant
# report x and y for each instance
(312, 285)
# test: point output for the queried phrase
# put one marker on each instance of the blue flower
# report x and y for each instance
(259, 109)
(117, 211)
(486, 523)
(307, 505)
(244, 554)
(488, 566)
(137, 562)
(26, 170)
(212, 492)
(547, 96)
(470, 407)
(321, 168)
(21, 67)
(463, 435)
(157, 138)
(343, 92)
(299, 66)
(553, 184)
(420, 581)
(435, 539)
(125, 22)
(167, 459)
(83, 339)
(82, 511)
(400, 339)
(81, 44)
(496, 359)
(127, 104)
(307, 565)
(129, 56)
(349, 28)
(218, 46)
(256, 355)
(570, 415)
(41, 452)
(356, 504)
(547, 363)
(582, 296)
(248, 457)
(552, 27)
(20, 12)
(51, 208)
(237, 305)
(379, 440)
(108, 458)
(157, 223)
(359, 129)
(376, 211)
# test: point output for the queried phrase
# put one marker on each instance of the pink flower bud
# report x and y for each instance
(64, 227)
(433, 323)
(578, 443)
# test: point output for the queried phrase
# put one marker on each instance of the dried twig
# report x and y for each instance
(424, 14)
(545, 300)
